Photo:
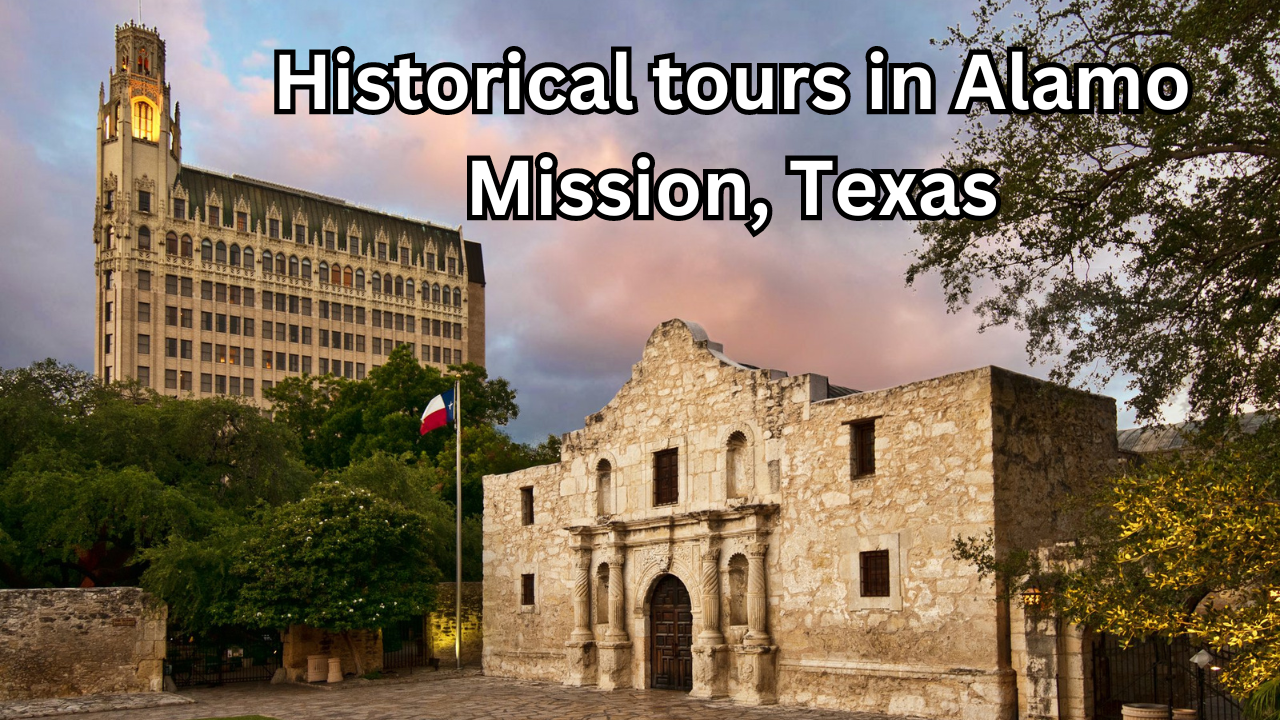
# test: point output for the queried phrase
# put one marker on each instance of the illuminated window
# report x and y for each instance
(144, 125)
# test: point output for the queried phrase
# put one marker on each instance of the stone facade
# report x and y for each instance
(66, 642)
(442, 620)
(299, 641)
(774, 525)
(212, 283)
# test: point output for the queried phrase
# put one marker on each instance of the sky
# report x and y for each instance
(569, 304)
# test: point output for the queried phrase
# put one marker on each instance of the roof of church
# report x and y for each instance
(1167, 438)
(261, 195)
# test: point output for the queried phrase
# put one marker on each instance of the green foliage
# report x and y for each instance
(1187, 544)
(340, 559)
(1144, 244)
(342, 421)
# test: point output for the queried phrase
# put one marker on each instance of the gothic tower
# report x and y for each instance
(139, 153)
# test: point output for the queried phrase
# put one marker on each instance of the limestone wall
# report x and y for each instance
(65, 642)
(442, 621)
(955, 456)
(299, 641)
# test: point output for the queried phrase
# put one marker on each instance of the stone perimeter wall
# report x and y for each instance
(958, 455)
(66, 642)
(441, 622)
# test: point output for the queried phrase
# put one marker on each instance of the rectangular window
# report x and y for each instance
(377, 318)
(347, 369)
(186, 287)
(457, 331)
(348, 340)
(448, 356)
(300, 233)
(862, 448)
(185, 350)
(408, 324)
(280, 361)
(171, 347)
(170, 284)
(324, 338)
(220, 354)
(220, 384)
(108, 200)
(144, 375)
(233, 355)
(171, 316)
(526, 589)
(359, 371)
(206, 382)
(306, 364)
(206, 321)
(431, 262)
(306, 307)
(268, 300)
(377, 346)
(448, 331)
(382, 251)
(233, 294)
(220, 323)
(206, 290)
(106, 311)
(666, 487)
(144, 344)
(206, 352)
(170, 379)
(404, 256)
(220, 292)
(874, 573)
(435, 353)
(435, 328)
(248, 357)
(267, 363)
(248, 387)
(306, 336)
(526, 506)
(144, 201)
(399, 318)
(453, 266)
(293, 334)
(267, 385)
(324, 309)
(294, 305)
(106, 345)
(281, 301)
(144, 280)
(248, 327)
(324, 366)
(107, 280)
(214, 218)
(242, 221)
(266, 330)
(248, 297)
(359, 316)
(179, 213)
(233, 324)
(329, 238)
(184, 381)
(359, 343)
(348, 313)
(187, 315)
(280, 336)
(235, 385)
(273, 228)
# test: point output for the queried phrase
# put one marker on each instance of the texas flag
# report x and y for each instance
(439, 412)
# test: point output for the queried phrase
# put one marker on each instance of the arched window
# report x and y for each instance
(206, 250)
(234, 256)
(457, 297)
(268, 261)
(435, 293)
(426, 288)
(324, 272)
(347, 277)
(388, 285)
(737, 466)
(377, 281)
(220, 252)
(359, 279)
(247, 258)
(280, 264)
(109, 237)
(399, 286)
(738, 590)
(306, 269)
(604, 488)
(408, 288)
(186, 246)
(602, 594)
(293, 266)
(335, 275)
(171, 244)
(144, 121)
(144, 238)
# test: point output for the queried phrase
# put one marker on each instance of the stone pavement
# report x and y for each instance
(467, 697)
(13, 709)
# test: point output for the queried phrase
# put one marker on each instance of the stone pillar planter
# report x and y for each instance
(317, 668)
(615, 665)
(335, 670)
(757, 676)
(1184, 714)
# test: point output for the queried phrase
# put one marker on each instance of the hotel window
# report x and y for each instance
(233, 324)
(235, 385)
(247, 296)
(280, 361)
(179, 213)
(206, 352)
(382, 251)
(300, 234)
(206, 321)
(453, 266)
(526, 506)
(171, 284)
(171, 347)
(144, 238)
(108, 201)
(144, 375)
(220, 292)
(355, 245)
(186, 287)
(144, 198)
(359, 343)
(377, 346)
(106, 344)
(107, 279)
(273, 228)
(144, 344)
(874, 573)
(248, 387)
(242, 221)
(185, 317)
(221, 385)
(666, 488)
(206, 290)
(329, 238)
(248, 357)
(448, 356)
(214, 216)
(359, 371)
(233, 295)
(171, 316)
(220, 353)
(862, 448)
(306, 364)
(106, 312)
(170, 379)
(206, 382)
(526, 589)
(408, 324)
(233, 355)
(184, 381)
(185, 352)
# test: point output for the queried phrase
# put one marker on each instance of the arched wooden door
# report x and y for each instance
(670, 636)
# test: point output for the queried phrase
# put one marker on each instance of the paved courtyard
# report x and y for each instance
(461, 698)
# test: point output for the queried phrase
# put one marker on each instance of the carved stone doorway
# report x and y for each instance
(670, 636)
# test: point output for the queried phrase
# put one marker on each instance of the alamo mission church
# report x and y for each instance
(735, 532)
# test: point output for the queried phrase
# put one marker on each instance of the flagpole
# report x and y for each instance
(457, 595)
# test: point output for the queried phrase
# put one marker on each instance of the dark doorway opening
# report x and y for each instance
(670, 636)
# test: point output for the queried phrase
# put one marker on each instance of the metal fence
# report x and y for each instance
(225, 655)
(1157, 670)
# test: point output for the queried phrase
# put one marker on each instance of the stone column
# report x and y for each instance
(615, 649)
(580, 649)
(709, 649)
(757, 608)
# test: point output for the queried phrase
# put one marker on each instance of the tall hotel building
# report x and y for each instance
(222, 284)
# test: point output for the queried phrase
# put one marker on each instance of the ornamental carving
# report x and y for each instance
(144, 184)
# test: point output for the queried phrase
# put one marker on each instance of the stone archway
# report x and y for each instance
(670, 636)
